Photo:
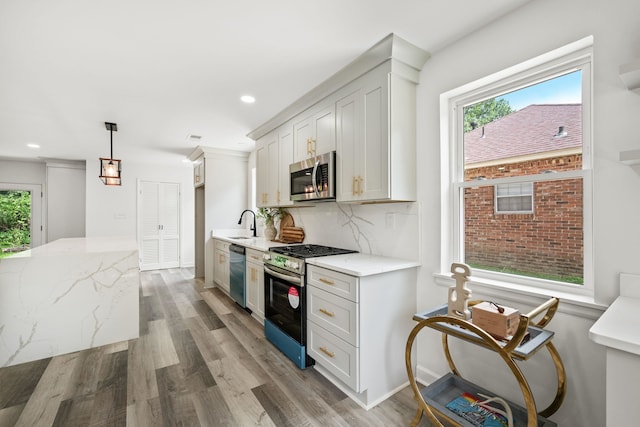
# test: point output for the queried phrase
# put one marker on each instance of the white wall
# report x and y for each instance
(66, 200)
(226, 184)
(536, 28)
(111, 211)
(22, 172)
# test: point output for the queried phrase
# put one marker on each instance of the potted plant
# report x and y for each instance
(269, 215)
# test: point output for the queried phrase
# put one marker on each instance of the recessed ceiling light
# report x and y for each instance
(247, 99)
(31, 145)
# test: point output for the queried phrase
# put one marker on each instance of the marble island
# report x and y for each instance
(67, 296)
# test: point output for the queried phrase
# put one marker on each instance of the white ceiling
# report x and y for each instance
(164, 69)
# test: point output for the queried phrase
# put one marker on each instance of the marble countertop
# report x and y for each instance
(80, 245)
(619, 326)
(68, 295)
(358, 264)
(257, 243)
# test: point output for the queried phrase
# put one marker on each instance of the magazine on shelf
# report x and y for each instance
(466, 406)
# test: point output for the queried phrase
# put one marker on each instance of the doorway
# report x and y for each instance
(20, 217)
(159, 224)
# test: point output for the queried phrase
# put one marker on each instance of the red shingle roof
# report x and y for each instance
(527, 131)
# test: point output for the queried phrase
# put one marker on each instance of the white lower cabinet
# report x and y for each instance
(357, 329)
(335, 314)
(255, 284)
(337, 356)
(221, 265)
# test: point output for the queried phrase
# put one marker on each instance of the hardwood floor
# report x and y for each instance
(200, 360)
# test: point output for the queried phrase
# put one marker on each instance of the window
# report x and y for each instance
(514, 198)
(518, 159)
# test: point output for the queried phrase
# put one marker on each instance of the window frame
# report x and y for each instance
(577, 55)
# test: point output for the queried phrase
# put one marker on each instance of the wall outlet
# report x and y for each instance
(390, 221)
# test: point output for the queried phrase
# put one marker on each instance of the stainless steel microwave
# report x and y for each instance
(314, 178)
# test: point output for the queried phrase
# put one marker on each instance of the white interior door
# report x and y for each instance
(159, 224)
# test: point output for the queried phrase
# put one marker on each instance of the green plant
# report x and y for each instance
(15, 219)
(269, 215)
(566, 279)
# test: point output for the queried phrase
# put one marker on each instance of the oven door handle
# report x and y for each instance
(291, 279)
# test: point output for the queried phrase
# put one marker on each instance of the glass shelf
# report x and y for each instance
(538, 337)
(449, 387)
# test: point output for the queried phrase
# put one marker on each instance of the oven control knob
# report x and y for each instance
(292, 264)
(266, 257)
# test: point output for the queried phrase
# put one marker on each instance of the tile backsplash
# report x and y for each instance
(387, 229)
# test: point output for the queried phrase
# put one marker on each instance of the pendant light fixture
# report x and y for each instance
(110, 168)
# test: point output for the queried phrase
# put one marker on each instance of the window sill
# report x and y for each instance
(516, 294)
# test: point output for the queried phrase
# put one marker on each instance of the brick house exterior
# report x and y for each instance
(533, 140)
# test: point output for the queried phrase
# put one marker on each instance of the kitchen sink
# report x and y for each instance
(240, 238)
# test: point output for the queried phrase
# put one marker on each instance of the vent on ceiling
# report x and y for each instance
(194, 138)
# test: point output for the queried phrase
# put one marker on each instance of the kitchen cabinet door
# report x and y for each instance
(349, 145)
(255, 284)
(266, 154)
(375, 139)
(273, 175)
(198, 172)
(221, 270)
(373, 158)
(362, 143)
(274, 154)
(314, 134)
(285, 158)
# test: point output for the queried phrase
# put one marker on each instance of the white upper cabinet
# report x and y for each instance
(315, 134)
(274, 154)
(285, 156)
(366, 112)
(375, 138)
(265, 193)
(198, 172)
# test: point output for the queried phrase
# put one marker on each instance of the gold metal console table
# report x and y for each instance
(528, 339)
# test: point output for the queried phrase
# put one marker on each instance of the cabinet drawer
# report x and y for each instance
(331, 281)
(222, 245)
(254, 256)
(335, 355)
(335, 314)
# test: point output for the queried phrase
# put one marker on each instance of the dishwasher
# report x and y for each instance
(237, 274)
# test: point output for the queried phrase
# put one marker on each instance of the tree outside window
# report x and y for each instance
(15, 221)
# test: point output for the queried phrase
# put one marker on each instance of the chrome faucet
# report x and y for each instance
(254, 220)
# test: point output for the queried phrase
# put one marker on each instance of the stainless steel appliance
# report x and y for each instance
(285, 323)
(314, 178)
(237, 263)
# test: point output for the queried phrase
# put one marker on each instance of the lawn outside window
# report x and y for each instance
(517, 175)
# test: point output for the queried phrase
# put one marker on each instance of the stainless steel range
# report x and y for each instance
(285, 322)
